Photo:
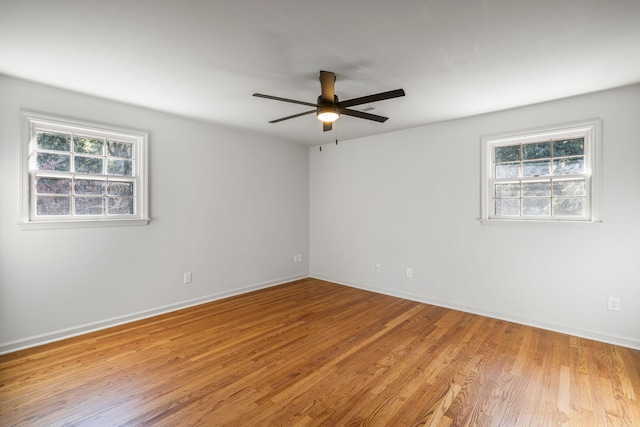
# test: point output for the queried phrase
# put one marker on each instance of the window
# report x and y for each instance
(81, 174)
(543, 175)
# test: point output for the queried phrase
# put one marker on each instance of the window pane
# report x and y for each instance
(507, 207)
(120, 206)
(53, 162)
(536, 189)
(536, 207)
(568, 166)
(47, 185)
(53, 205)
(88, 145)
(574, 187)
(90, 186)
(88, 164)
(509, 153)
(507, 190)
(537, 168)
(565, 206)
(119, 167)
(568, 147)
(54, 141)
(89, 205)
(120, 189)
(120, 149)
(508, 170)
(539, 150)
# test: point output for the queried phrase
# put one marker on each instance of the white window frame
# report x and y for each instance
(589, 129)
(31, 123)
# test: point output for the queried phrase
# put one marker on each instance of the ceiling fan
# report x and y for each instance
(329, 107)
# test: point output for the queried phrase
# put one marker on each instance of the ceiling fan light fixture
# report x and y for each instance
(328, 114)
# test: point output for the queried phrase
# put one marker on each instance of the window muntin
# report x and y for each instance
(82, 173)
(546, 175)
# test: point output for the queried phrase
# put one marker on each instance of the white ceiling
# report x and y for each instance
(204, 59)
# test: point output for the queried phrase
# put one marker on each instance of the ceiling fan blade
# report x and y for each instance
(371, 98)
(326, 126)
(363, 115)
(277, 98)
(292, 117)
(327, 83)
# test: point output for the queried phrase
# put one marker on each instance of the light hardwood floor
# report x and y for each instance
(316, 353)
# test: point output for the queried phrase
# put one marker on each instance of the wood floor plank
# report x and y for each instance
(314, 353)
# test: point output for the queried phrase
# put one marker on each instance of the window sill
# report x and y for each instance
(50, 225)
(540, 222)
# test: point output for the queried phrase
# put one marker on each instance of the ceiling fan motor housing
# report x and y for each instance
(328, 111)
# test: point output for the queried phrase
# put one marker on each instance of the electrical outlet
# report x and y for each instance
(378, 268)
(614, 304)
(409, 272)
(187, 277)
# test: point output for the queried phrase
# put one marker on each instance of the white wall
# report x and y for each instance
(412, 199)
(229, 206)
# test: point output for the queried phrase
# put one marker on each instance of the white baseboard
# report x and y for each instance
(596, 336)
(61, 334)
